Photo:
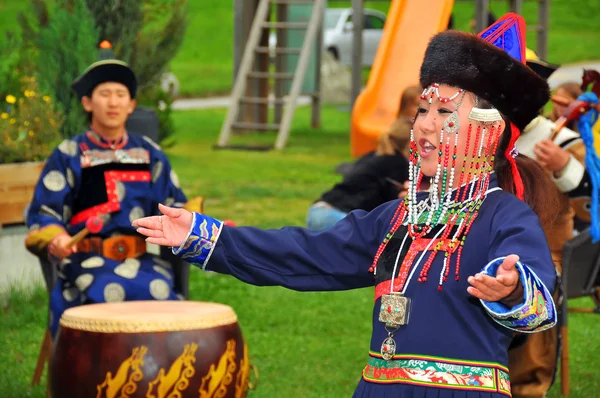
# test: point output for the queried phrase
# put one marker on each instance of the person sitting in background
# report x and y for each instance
(109, 173)
(409, 102)
(564, 94)
(375, 180)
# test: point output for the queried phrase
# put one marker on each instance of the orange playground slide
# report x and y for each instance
(409, 27)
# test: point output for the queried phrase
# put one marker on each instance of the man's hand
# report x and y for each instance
(552, 157)
(58, 246)
(505, 287)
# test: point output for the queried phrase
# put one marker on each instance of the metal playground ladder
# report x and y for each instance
(246, 73)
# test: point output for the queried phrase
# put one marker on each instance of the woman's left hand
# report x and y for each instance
(504, 287)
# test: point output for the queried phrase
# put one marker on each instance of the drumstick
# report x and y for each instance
(573, 112)
(93, 224)
(394, 182)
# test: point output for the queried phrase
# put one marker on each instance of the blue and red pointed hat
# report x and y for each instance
(508, 34)
(492, 66)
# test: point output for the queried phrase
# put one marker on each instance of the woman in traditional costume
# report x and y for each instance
(457, 269)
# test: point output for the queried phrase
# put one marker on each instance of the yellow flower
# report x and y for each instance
(29, 93)
(12, 120)
(46, 99)
(31, 133)
(26, 123)
(4, 115)
(11, 99)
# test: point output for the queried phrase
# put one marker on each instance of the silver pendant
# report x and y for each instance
(388, 348)
(452, 123)
(394, 310)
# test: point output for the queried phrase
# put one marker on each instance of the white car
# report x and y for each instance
(337, 34)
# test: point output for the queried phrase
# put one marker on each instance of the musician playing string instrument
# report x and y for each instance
(457, 269)
(106, 172)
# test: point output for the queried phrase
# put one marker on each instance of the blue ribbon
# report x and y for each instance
(592, 162)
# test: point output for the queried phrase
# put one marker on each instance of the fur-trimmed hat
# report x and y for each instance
(469, 62)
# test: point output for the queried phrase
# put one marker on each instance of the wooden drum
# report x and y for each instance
(150, 349)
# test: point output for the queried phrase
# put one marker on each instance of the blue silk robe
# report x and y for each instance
(85, 177)
(454, 345)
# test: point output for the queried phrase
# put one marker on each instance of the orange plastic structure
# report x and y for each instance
(409, 27)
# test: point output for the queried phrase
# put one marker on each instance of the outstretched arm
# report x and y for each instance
(516, 290)
(292, 257)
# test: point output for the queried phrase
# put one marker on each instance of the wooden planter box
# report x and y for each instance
(17, 183)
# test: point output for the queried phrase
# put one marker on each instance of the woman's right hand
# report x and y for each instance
(170, 229)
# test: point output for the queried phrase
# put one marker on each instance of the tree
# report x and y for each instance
(145, 34)
(66, 47)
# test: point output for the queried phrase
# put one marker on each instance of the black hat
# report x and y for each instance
(106, 70)
(474, 64)
(542, 68)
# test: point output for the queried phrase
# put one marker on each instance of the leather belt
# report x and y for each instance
(117, 248)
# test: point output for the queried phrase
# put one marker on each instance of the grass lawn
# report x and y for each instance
(304, 344)
(204, 65)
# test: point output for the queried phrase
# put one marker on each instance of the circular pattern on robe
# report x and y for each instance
(162, 263)
(70, 294)
(68, 147)
(151, 142)
(34, 227)
(62, 265)
(93, 262)
(162, 271)
(67, 213)
(128, 269)
(159, 289)
(70, 177)
(120, 191)
(55, 181)
(84, 281)
(169, 202)
(114, 292)
(135, 213)
(174, 178)
(157, 170)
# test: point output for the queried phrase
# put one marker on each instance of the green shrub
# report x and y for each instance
(29, 124)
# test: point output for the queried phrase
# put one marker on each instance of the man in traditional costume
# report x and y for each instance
(456, 270)
(110, 173)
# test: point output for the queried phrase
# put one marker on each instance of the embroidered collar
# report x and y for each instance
(104, 143)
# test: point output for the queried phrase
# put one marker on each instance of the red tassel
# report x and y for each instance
(519, 189)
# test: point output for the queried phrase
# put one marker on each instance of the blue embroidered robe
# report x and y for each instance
(454, 344)
(84, 177)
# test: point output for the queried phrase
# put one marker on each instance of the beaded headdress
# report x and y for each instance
(491, 66)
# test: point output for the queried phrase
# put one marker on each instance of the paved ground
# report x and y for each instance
(215, 102)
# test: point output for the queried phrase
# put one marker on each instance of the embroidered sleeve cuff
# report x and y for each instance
(537, 311)
(570, 176)
(201, 240)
